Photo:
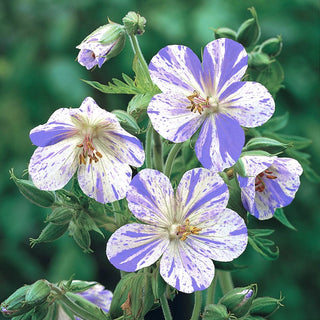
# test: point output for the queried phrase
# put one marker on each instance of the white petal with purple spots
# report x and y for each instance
(151, 198)
(185, 269)
(201, 194)
(220, 142)
(135, 246)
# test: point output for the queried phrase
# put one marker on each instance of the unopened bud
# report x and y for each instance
(259, 60)
(134, 23)
(101, 45)
(60, 215)
(249, 32)
(266, 144)
(265, 306)
(225, 33)
(41, 198)
(37, 293)
(137, 106)
(239, 300)
(215, 312)
(272, 47)
(127, 121)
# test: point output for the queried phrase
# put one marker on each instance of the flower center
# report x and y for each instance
(198, 103)
(183, 231)
(259, 183)
(88, 151)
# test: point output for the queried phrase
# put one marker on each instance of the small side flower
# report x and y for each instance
(270, 183)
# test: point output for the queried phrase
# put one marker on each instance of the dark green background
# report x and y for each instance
(38, 74)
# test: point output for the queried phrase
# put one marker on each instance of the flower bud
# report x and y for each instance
(259, 60)
(60, 215)
(239, 300)
(134, 23)
(101, 45)
(37, 293)
(249, 32)
(225, 33)
(50, 233)
(15, 304)
(41, 198)
(272, 47)
(137, 106)
(215, 312)
(127, 122)
(266, 144)
(265, 306)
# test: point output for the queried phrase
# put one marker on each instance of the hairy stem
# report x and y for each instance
(197, 305)
(165, 307)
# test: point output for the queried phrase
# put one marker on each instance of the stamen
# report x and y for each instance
(259, 183)
(88, 151)
(197, 102)
(184, 231)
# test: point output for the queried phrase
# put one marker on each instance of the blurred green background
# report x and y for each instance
(38, 74)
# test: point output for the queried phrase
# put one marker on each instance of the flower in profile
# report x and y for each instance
(208, 95)
(186, 228)
(91, 141)
(270, 183)
(101, 45)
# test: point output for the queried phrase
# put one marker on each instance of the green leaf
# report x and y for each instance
(280, 216)
(229, 266)
(310, 174)
(118, 86)
(142, 78)
(276, 123)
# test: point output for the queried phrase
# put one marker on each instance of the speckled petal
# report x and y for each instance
(201, 194)
(220, 142)
(106, 180)
(176, 69)
(222, 237)
(278, 192)
(52, 167)
(185, 269)
(86, 58)
(224, 62)
(248, 102)
(151, 197)
(171, 118)
(135, 246)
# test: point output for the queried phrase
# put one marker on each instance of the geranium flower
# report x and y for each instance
(90, 140)
(210, 95)
(186, 229)
(101, 45)
(271, 183)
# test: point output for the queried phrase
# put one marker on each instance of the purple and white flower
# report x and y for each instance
(91, 141)
(208, 95)
(270, 183)
(186, 228)
(101, 45)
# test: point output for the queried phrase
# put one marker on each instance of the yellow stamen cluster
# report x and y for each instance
(197, 102)
(186, 230)
(88, 151)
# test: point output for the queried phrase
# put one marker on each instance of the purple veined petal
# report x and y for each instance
(151, 198)
(176, 68)
(135, 246)
(220, 142)
(52, 167)
(171, 118)
(224, 62)
(253, 165)
(201, 193)
(185, 269)
(222, 238)
(278, 192)
(248, 102)
(87, 59)
(106, 180)
(124, 146)
(248, 192)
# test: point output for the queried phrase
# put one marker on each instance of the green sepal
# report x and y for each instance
(265, 306)
(127, 121)
(215, 312)
(249, 32)
(239, 300)
(262, 245)
(37, 293)
(61, 215)
(225, 33)
(134, 23)
(40, 312)
(280, 216)
(272, 47)
(26, 315)
(269, 145)
(39, 197)
(50, 233)
(259, 60)
(76, 286)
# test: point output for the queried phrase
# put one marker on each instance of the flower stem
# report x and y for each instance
(165, 307)
(197, 305)
(170, 159)
(148, 145)
(225, 281)
(211, 291)
(118, 216)
(157, 151)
